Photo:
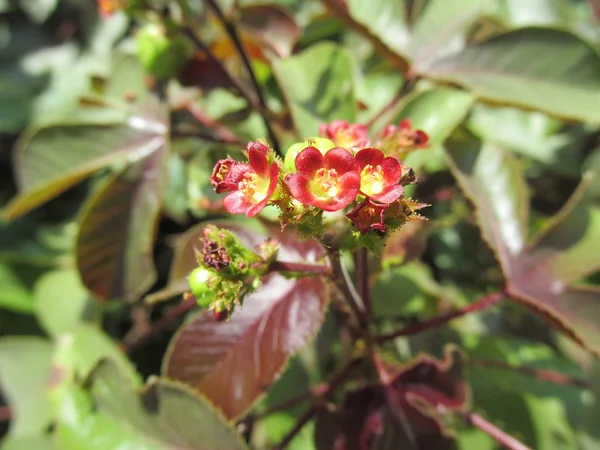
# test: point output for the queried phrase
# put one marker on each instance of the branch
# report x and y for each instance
(301, 268)
(328, 389)
(361, 264)
(496, 433)
(549, 376)
(160, 325)
(261, 108)
(483, 303)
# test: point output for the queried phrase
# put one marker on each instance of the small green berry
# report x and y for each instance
(198, 281)
(322, 144)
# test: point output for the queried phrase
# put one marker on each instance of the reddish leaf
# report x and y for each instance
(233, 362)
(117, 227)
(401, 412)
(272, 26)
(492, 180)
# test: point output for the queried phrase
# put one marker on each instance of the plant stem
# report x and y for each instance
(361, 264)
(483, 303)
(328, 390)
(5, 413)
(160, 325)
(301, 268)
(239, 47)
(496, 433)
(342, 281)
(549, 376)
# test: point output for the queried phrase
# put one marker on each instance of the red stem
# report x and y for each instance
(361, 261)
(483, 303)
(160, 325)
(302, 268)
(5, 414)
(496, 433)
(540, 374)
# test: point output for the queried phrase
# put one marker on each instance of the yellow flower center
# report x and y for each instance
(253, 187)
(325, 184)
(371, 180)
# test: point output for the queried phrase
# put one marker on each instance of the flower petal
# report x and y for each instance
(273, 179)
(299, 188)
(392, 170)
(389, 195)
(341, 160)
(236, 174)
(309, 161)
(369, 156)
(258, 161)
(236, 203)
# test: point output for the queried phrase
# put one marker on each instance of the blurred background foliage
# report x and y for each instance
(101, 179)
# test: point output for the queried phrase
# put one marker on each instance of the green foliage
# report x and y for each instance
(111, 122)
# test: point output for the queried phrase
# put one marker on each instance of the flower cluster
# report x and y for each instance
(340, 170)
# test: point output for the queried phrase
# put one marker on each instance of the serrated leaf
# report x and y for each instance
(318, 84)
(118, 226)
(24, 372)
(492, 180)
(233, 362)
(517, 69)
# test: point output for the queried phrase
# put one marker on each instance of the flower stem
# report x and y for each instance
(361, 261)
(301, 269)
(261, 107)
(483, 303)
(496, 433)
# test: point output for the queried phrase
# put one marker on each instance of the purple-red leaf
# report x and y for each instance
(234, 362)
(272, 26)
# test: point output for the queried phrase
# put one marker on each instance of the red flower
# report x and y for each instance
(368, 216)
(344, 134)
(406, 136)
(251, 185)
(329, 182)
(379, 176)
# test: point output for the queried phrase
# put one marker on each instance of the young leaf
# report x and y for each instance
(318, 84)
(517, 69)
(234, 362)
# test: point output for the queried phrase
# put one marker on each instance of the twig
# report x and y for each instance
(328, 391)
(549, 376)
(220, 130)
(483, 303)
(496, 433)
(302, 268)
(343, 282)
(160, 325)
(239, 47)
(361, 264)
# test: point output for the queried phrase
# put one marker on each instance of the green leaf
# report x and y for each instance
(164, 415)
(60, 301)
(24, 373)
(441, 28)
(233, 362)
(492, 180)
(516, 68)
(15, 293)
(318, 84)
(118, 225)
(38, 10)
(28, 443)
(176, 195)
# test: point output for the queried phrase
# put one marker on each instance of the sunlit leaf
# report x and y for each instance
(318, 84)
(516, 68)
(233, 362)
(492, 180)
(24, 372)
(270, 25)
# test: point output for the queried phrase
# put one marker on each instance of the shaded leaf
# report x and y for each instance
(234, 362)
(60, 301)
(382, 22)
(15, 293)
(516, 68)
(406, 244)
(51, 160)
(492, 180)
(164, 415)
(117, 228)
(24, 372)
(272, 26)
(318, 84)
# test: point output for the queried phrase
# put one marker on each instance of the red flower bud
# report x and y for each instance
(368, 216)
